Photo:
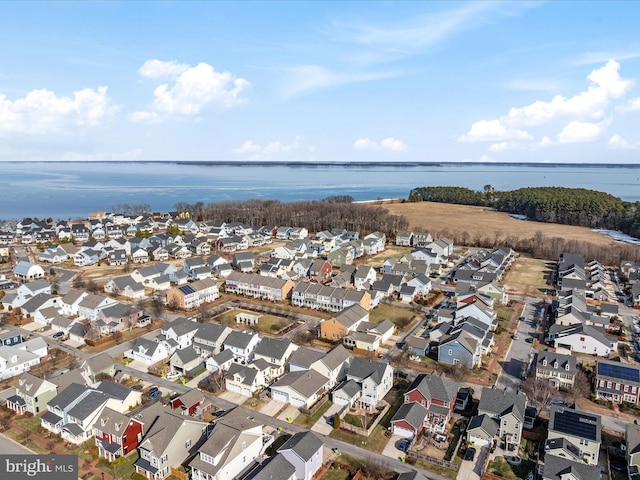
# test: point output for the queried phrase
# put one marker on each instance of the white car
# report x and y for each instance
(173, 374)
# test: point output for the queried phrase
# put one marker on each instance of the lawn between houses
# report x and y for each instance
(266, 323)
(402, 317)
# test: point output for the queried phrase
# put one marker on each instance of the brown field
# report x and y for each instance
(528, 276)
(438, 218)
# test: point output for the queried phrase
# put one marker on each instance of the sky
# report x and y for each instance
(392, 81)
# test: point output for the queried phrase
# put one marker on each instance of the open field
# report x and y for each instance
(530, 274)
(438, 218)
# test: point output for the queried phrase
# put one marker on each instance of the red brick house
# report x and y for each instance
(116, 434)
(438, 395)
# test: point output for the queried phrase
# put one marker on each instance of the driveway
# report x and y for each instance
(289, 413)
(472, 470)
(234, 397)
(322, 426)
(390, 449)
(271, 407)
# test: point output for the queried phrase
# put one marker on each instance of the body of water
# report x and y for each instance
(63, 190)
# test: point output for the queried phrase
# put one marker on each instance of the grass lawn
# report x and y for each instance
(531, 273)
(29, 423)
(336, 474)
(266, 323)
(432, 467)
(307, 421)
(402, 317)
(504, 313)
(375, 442)
(124, 470)
(376, 261)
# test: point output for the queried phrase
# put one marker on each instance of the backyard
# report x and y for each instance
(266, 323)
(401, 317)
(528, 275)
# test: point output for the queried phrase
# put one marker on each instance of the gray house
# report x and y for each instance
(462, 348)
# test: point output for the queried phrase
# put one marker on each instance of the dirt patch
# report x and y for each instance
(440, 218)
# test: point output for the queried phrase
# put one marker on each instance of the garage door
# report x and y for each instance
(403, 432)
(478, 441)
(280, 396)
(232, 387)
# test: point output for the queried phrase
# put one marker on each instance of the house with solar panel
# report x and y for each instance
(574, 434)
(192, 295)
(617, 382)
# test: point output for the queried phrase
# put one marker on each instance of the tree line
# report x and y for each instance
(569, 206)
(317, 215)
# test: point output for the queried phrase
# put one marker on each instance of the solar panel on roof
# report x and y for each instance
(186, 289)
(576, 424)
(619, 371)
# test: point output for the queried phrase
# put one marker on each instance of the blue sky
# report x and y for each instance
(325, 81)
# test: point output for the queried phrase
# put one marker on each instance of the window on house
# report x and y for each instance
(450, 352)
(187, 444)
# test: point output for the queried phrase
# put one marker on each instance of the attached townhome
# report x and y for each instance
(574, 432)
(116, 435)
(209, 338)
(172, 440)
(32, 395)
(617, 382)
(242, 345)
(117, 257)
(375, 380)
(275, 351)
(343, 323)
(321, 297)
(508, 409)
(257, 286)
(581, 338)
(438, 395)
(558, 369)
(192, 295)
(233, 449)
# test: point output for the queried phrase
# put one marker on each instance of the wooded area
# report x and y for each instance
(569, 206)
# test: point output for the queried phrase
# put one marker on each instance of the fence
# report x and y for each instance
(434, 460)
(361, 431)
(316, 406)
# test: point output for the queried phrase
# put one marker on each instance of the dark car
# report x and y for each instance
(154, 394)
(219, 413)
(403, 445)
(470, 454)
(58, 334)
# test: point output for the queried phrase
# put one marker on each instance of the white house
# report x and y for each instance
(304, 451)
(148, 351)
(242, 344)
(375, 379)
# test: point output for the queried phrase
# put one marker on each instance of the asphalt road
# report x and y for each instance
(11, 447)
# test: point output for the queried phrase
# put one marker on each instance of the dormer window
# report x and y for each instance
(103, 421)
(555, 364)
(566, 367)
(544, 362)
(118, 426)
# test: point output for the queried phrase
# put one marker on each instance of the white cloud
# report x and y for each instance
(365, 144)
(589, 58)
(492, 131)
(606, 84)
(576, 131)
(134, 154)
(194, 90)
(158, 69)
(274, 150)
(391, 144)
(631, 106)
(616, 142)
(500, 147)
(247, 147)
(546, 141)
(43, 111)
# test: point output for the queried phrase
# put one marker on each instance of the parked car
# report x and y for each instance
(470, 454)
(219, 413)
(403, 445)
(172, 374)
(440, 438)
(558, 401)
(154, 394)
(516, 336)
(58, 335)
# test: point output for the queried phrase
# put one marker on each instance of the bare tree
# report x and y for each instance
(539, 390)
(581, 385)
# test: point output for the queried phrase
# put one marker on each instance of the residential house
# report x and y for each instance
(91, 304)
(32, 395)
(344, 322)
(244, 379)
(191, 403)
(559, 468)
(182, 331)
(341, 256)
(70, 302)
(482, 430)
(364, 277)
(234, 447)
(303, 450)
(27, 271)
(125, 286)
(209, 338)
(186, 361)
(438, 395)
(16, 360)
(220, 362)
(404, 238)
(375, 379)
(257, 286)
(242, 344)
(304, 357)
(149, 352)
(560, 370)
(320, 271)
(276, 351)
(581, 338)
(192, 295)
(333, 364)
(508, 409)
(116, 435)
(117, 257)
(582, 431)
(171, 441)
(461, 348)
(300, 388)
(244, 261)
(632, 438)
(617, 382)
(408, 421)
(96, 365)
